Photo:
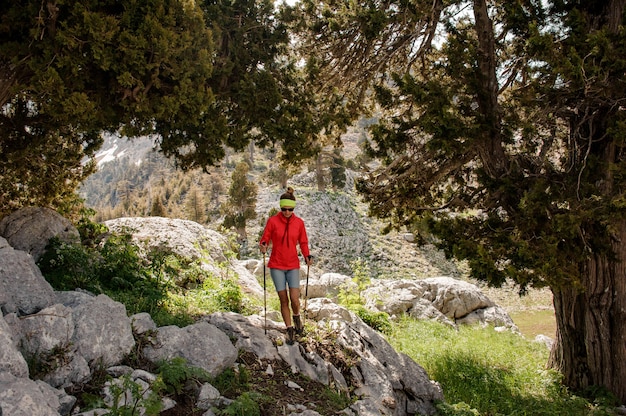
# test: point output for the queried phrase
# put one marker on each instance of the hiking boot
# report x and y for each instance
(291, 335)
(297, 322)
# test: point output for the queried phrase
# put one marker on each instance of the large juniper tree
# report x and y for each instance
(502, 126)
(197, 75)
(70, 70)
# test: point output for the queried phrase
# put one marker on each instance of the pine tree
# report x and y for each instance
(157, 209)
(194, 205)
(241, 205)
(199, 76)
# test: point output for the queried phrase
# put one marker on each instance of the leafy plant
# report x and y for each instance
(245, 405)
(232, 380)
(129, 398)
(361, 276)
(175, 373)
(229, 297)
(89, 230)
(375, 319)
(69, 266)
(122, 266)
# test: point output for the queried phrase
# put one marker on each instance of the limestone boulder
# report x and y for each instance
(454, 298)
(11, 360)
(23, 289)
(328, 285)
(25, 397)
(102, 331)
(30, 229)
(202, 344)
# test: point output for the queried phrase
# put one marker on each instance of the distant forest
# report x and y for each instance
(143, 182)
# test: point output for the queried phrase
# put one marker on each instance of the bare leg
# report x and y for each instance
(284, 307)
(294, 294)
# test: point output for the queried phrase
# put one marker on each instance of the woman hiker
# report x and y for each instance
(284, 231)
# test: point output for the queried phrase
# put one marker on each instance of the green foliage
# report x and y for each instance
(84, 67)
(229, 296)
(244, 405)
(241, 205)
(115, 265)
(361, 276)
(122, 267)
(232, 380)
(484, 372)
(88, 229)
(504, 130)
(376, 320)
(171, 289)
(353, 300)
(130, 398)
(174, 374)
(70, 266)
(200, 76)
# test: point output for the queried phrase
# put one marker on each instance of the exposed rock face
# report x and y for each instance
(339, 232)
(11, 361)
(443, 299)
(30, 229)
(389, 383)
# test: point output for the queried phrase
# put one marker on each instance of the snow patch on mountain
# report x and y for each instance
(117, 147)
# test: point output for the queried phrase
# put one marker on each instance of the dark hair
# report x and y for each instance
(288, 194)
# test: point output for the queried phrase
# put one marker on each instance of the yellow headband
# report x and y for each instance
(289, 203)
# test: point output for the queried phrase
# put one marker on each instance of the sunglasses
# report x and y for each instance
(286, 209)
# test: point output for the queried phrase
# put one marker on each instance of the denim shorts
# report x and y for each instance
(283, 277)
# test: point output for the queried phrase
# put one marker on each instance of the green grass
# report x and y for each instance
(484, 372)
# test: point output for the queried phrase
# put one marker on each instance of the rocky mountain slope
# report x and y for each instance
(339, 229)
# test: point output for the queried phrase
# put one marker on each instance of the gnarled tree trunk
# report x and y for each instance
(590, 349)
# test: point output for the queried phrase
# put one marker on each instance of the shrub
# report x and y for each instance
(70, 266)
(175, 373)
(376, 320)
(244, 405)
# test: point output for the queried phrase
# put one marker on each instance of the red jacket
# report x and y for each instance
(284, 234)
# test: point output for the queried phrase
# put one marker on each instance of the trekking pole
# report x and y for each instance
(264, 297)
(306, 288)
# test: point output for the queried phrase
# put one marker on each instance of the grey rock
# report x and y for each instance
(103, 333)
(249, 332)
(30, 229)
(25, 397)
(142, 323)
(11, 361)
(203, 345)
(207, 397)
(23, 289)
(73, 298)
